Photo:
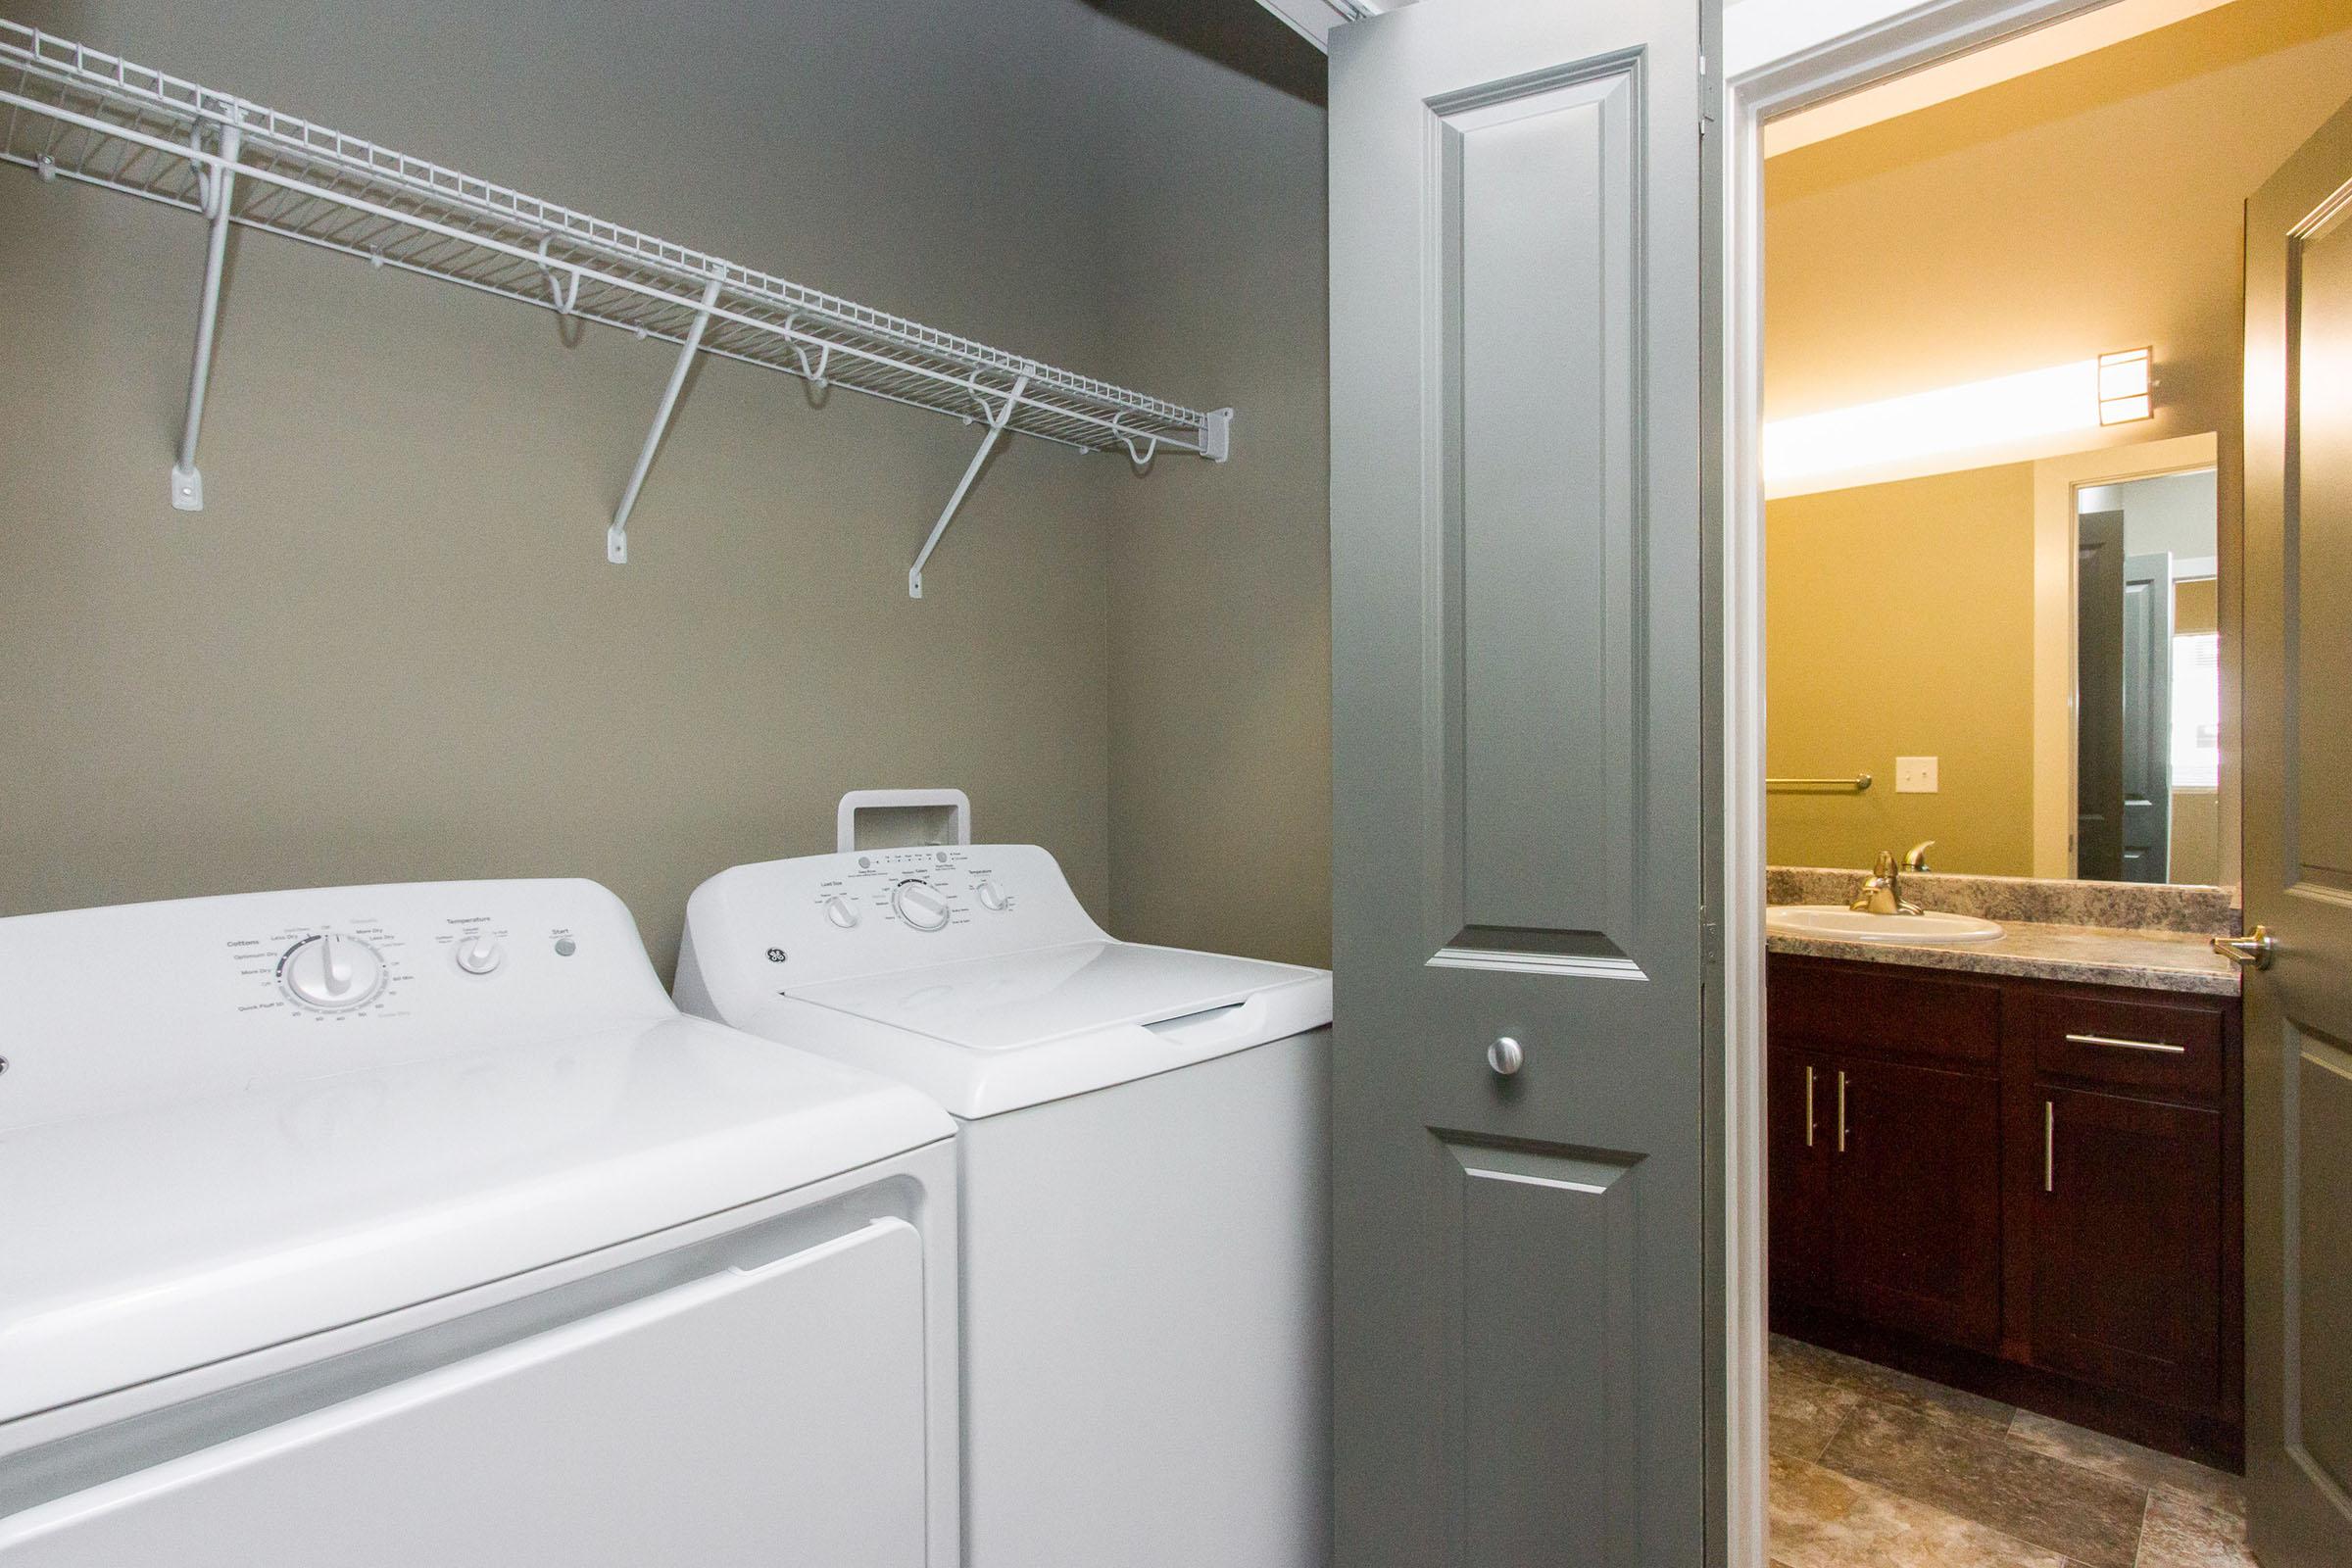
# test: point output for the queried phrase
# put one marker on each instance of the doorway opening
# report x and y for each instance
(1989, 607)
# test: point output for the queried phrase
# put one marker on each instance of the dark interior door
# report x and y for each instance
(2147, 695)
(1526, 1227)
(2298, 856)
(2099, 695)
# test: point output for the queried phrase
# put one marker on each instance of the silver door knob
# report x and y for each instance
(2251, 952)
(1506, 1056)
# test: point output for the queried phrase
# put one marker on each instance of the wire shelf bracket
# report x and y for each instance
(216, 187)
(997, 420)
(616, 537)
(76, 114)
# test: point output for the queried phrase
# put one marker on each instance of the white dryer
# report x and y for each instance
(1141, 1174)
(395, 1226)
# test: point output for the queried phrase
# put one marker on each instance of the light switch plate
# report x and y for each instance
(1915, 775)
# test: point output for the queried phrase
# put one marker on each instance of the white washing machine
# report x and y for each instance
(1141, 1174)
(389, 1227)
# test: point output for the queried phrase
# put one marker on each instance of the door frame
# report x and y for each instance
(1877, 49)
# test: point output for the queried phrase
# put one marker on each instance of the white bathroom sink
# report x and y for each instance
(1840, 924)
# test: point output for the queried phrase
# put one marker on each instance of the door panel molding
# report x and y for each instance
(1548, 1251)
(2322, 750)
(1539, 524)
(1520, 953)
(2316, 1266)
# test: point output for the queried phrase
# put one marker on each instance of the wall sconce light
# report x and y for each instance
(2126, 386)
(2029, 414)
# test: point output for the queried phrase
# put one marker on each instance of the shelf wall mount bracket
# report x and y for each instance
(997, 418)
(1216, 434)
(217, 185)
(616, 537)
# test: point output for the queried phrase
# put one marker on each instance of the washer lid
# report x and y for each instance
(994, 1033)
(153, 1237)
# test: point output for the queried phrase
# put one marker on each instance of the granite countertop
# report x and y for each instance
(2151, 961)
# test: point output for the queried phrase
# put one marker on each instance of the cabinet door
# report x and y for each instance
(1915, 1196)
(1800, 1084)
(2127, 1244)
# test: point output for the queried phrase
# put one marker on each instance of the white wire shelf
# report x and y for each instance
(78, 115)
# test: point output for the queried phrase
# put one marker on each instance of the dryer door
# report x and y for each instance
(760, 1415)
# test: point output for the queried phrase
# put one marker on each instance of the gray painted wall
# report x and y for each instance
(1220, 625)
(390, 648)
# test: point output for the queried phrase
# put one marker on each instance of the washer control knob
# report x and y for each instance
(991, 895)
(837, 910)
(920, 904)
(332, 972)
(480, 953)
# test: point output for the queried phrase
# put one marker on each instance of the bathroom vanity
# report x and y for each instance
(2012, 1166)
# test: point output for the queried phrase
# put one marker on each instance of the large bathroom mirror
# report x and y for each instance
(2023, 662)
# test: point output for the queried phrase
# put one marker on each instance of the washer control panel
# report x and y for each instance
(923, 891)
(859, 912)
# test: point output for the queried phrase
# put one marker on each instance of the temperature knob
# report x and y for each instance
(920, 904)
(991, 895)
(479, 953)
(332, 972)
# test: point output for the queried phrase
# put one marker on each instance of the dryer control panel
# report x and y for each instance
(771, 927)
(148, 1002)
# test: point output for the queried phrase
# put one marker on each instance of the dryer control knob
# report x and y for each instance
(332, 972)
(920, 904)
(479, 953)
(991, 895)
(837, 910)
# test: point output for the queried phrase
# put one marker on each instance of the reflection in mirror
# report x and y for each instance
(2147, 686)
(1918, 632)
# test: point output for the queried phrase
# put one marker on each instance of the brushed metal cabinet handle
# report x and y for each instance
(2049, 1145)
(1808, 1107)
(1842, 1110)
(1506, 1056)
(2115, 1043)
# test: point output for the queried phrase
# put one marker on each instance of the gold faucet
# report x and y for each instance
(1882, 892)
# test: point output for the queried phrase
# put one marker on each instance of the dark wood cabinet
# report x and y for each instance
(2017, 1185)
(1916, 1200)
(1797, 1168)
(2128, 1244)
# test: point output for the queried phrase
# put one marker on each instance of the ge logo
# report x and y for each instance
(776, 955)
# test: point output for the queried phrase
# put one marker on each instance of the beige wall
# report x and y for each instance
(1899, 622)
(390, 648)
(2196, 848)
(2093, 206)
(1220, 636)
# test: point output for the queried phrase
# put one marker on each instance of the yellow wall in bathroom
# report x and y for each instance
(1899, 623)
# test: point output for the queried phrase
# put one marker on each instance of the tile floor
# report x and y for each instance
(1872, 1468)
